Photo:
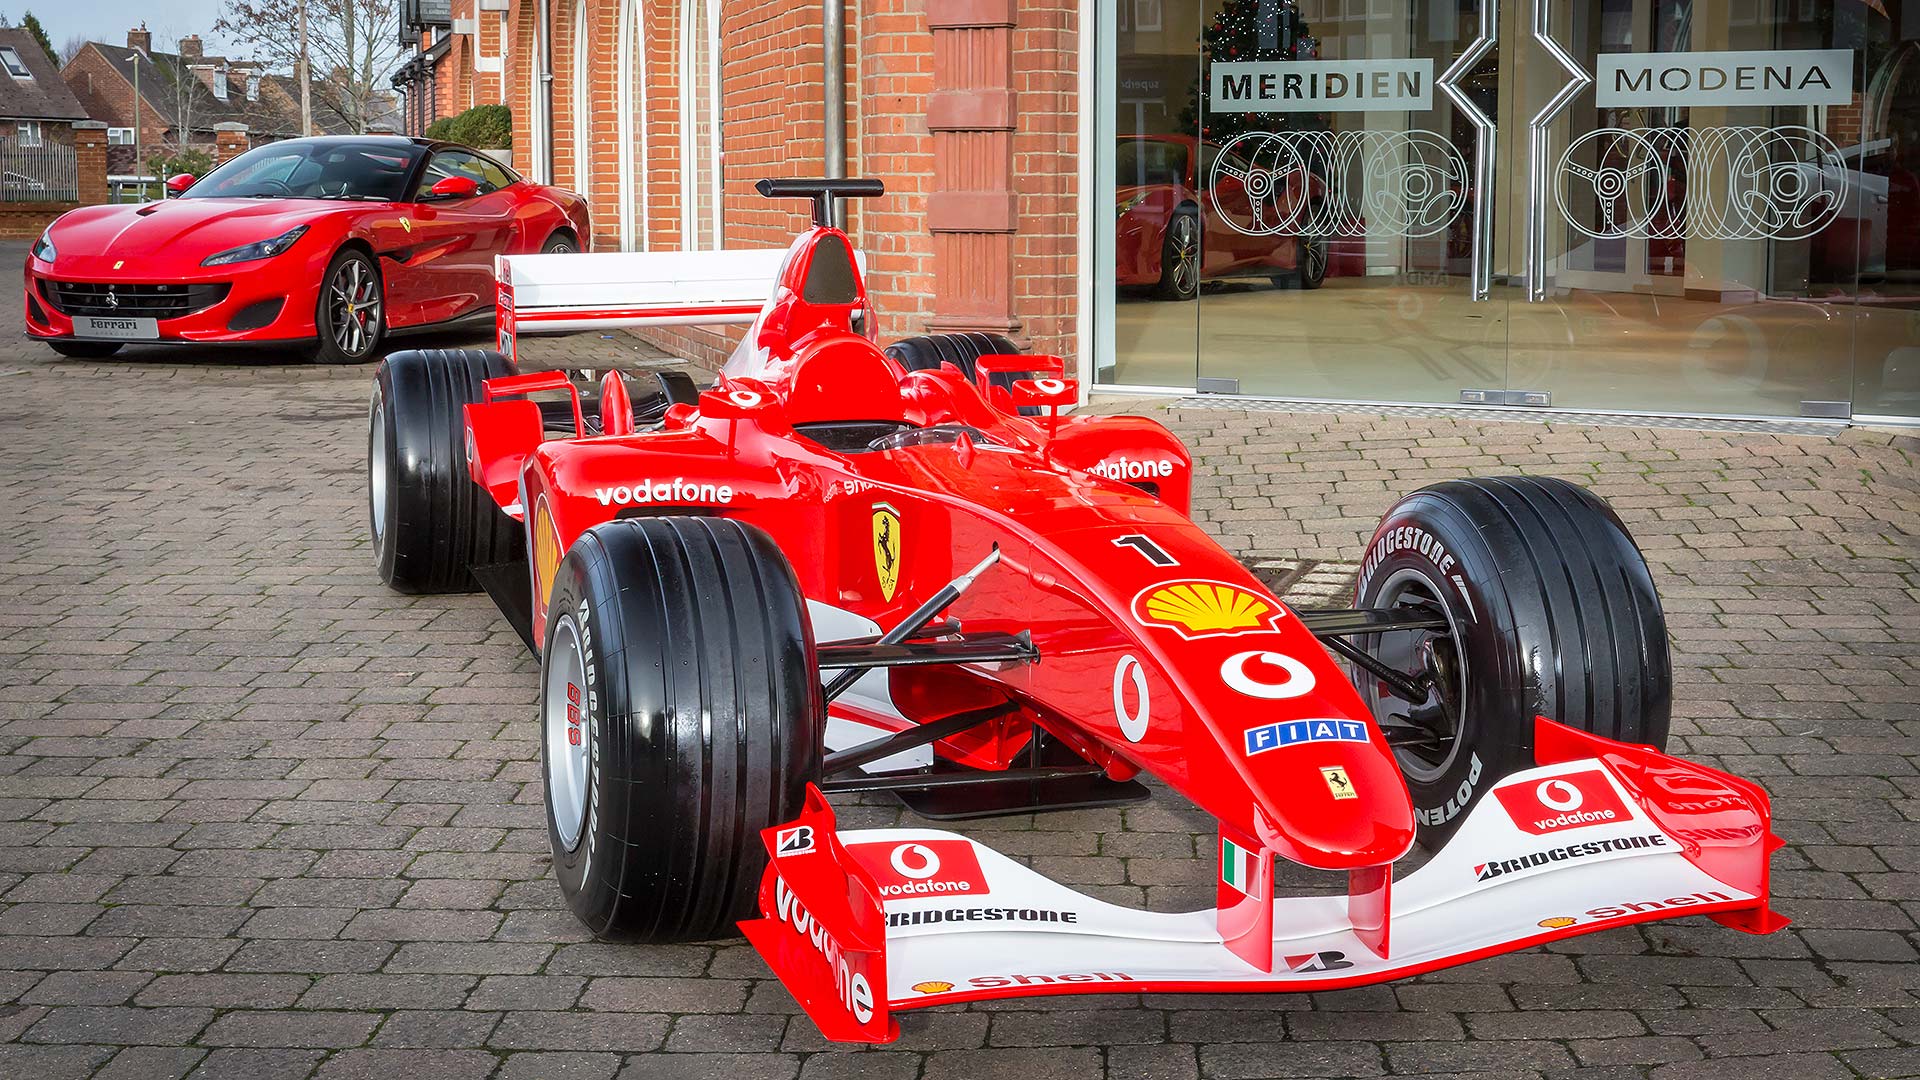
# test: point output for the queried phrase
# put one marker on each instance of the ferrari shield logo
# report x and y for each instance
(1337, 783)
(407, 224)
(886, 547)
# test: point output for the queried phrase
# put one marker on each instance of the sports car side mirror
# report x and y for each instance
(179, 182)
(454, 187)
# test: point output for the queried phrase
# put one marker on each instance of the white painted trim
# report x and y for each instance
(486, 64)
(582, 103)
(713, 120)
(633, 174)
(1083, 334)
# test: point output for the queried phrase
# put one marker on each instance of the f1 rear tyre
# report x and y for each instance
(680, 715)
(1551, 612)
(962, 350)
(428, 520)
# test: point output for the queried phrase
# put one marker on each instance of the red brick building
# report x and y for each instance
(665, 112)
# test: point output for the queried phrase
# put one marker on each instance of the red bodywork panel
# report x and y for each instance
(1160, 652)
(435, 258)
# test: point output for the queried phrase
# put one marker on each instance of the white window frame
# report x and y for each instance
(220, 83)
(633, 107)
(582, 103)
(122, 136)
(689, 185)
(27, 133)
(14, 65)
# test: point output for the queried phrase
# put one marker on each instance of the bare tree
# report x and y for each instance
(190, 102)
(71, 48)
(351, 43)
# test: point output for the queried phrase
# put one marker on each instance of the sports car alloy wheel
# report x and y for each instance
(1180, 257)
(353, 301)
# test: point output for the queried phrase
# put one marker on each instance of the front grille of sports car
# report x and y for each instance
(111, 299)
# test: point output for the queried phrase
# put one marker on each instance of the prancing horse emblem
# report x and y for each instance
(886, 547)
(112, 300)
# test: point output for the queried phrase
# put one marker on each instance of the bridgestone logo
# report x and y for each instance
(1489, 870)
(938, 916)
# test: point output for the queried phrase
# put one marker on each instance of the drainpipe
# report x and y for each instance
(834, 76)
(543, 94)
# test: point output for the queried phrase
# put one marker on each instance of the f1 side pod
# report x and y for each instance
(863, 924)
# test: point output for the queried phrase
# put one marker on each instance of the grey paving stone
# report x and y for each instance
(239, 775)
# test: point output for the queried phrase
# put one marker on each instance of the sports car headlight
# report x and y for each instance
(265, 249)
(43, 247)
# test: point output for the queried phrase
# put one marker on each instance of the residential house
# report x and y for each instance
(36, 105)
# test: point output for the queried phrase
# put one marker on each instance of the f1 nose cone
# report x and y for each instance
(1329, 793)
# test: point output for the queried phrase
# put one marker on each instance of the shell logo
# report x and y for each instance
(1558, 922)
(932, 987)
(1198, 609)
(546, 553)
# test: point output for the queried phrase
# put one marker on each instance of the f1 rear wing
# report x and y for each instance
(568, 293)
(863, 924)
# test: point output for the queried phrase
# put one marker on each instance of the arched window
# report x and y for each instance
(634, 203)
(700, 137)
(582, 102)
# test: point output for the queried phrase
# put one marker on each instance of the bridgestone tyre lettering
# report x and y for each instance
(428, 520)
(702, 715)
(1554, 614)
(929, 351)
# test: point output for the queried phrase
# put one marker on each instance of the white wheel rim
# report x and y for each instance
(377, 467)
(567, 756)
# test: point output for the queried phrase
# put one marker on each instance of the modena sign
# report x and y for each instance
(1322, 86)
(1781, 77)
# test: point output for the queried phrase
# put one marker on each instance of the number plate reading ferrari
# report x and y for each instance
(89, 326)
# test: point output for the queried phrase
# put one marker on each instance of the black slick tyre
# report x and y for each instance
(428, 520)
(350, 317)
(1180, 255)
(1551, 612)
(680, 714)
(929, 351)
(84, 350)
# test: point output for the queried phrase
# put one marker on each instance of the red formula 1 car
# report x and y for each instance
(847, 570)
(328, 243)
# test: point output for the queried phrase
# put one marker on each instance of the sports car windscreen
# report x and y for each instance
(374, 171)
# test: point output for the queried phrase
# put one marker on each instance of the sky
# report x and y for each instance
(109, 20)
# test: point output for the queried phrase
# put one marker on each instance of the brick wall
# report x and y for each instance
(109, 98)
(27, 220)
(773, 122)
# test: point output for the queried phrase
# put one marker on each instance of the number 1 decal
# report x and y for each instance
(1148, 550)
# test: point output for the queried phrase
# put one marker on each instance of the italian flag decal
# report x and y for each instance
(1236, 866)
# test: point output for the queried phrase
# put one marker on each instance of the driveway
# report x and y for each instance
(261, 818)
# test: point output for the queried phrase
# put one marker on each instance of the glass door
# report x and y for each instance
(1345, 153)
(1693, 212)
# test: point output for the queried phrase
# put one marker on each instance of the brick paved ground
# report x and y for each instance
(260, 818)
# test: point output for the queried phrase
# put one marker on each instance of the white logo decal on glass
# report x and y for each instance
(1716, 183)
(1340, 183)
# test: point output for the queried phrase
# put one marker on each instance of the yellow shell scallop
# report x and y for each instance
(1202, 606)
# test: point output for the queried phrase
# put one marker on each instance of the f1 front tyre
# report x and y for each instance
(428, 520)
(680, 715)
(1551, 611)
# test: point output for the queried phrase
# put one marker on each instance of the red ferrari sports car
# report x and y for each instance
(1165, 240)
(329, 242)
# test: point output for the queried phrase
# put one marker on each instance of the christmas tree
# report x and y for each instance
(1250, 31)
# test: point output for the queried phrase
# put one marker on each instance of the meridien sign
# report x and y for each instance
(1778, 77)
(1322, 86)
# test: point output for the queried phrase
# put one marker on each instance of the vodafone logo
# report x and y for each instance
(1270, 676)
(746, 399)
(1570, 801)
(922, 868)
(916, 861)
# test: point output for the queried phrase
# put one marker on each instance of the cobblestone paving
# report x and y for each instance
(260, 818)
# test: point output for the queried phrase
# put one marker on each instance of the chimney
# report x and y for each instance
(189, 48)
(141, 39)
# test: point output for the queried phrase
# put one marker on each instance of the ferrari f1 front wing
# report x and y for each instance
(863, 924)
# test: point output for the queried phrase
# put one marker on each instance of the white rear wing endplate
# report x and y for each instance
(569, 293)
